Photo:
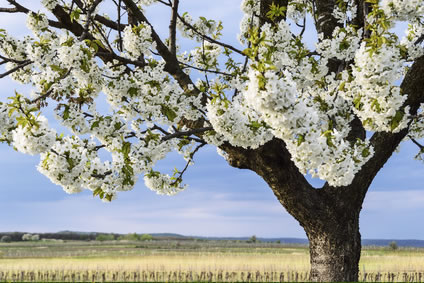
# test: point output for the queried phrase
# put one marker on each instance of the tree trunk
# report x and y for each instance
(330, 216)
(334, 249)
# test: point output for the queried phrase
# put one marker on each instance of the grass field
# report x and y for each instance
(187, 261)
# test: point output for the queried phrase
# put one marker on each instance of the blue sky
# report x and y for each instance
(220, 200)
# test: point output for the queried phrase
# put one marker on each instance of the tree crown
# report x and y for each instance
(319, 101)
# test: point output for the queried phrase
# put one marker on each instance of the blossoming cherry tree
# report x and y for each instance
(276, 105)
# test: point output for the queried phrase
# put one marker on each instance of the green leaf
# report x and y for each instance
(66, 112)
(126, 148)
(396, 120)
(357, 102)
(300, 139)
(97, 192)
(366, 152)
(132, 91)
(95, 124)
(75, 14)
(109, 197)
(71, 163)
(168, 112)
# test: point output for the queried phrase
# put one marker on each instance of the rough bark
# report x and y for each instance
(335, 250)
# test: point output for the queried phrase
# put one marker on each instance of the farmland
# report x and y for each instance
(187, 260)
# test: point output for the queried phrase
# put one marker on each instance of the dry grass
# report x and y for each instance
(212, 264)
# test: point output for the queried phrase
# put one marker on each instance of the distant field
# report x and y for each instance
(187, 261)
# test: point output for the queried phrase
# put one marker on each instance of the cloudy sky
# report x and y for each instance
(220, 200)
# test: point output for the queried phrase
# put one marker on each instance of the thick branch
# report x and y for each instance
(108, 23)
(384, 143)
(273, 163)
(9, 10)
(265, 7)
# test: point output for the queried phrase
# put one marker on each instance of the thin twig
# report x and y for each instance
(15, 69)
(180, 177)
(416, 143)
(211, 40)
(206, 70)
(187, 133)
(47, 94)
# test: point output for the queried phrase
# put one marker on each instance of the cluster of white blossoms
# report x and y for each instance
(296, 9)
(7, 123)
(288, 53)
(138, 41)
(72, 117)
(345, 11)
(413, 34)
(403, 10)
(65, 164)
(49, 4)
(238, 123)
(249, 8)
(34, 139)
(150, 94)
(377, 99)
(196, 29)
(37, 22)
(14, 49)
(162, 184)
(316, 146)
(343, 44)
(206, 56)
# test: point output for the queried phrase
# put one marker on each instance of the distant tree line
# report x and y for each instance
(18, 236)
(127, 237)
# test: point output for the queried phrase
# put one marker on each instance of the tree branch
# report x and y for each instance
(15, 69)
(180, 177)
(88, 20)
(173, 28)
(187, 133)
(110, 24)
(206, 70)
(416, 143)
(171, 65)
(9, 10)
(209, 39)
(385, 143)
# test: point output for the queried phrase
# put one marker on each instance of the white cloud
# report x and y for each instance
(190, 214)
(401, 201)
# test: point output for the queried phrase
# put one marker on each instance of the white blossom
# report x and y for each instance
(403, 9)
(138, 40)
(34, 139)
